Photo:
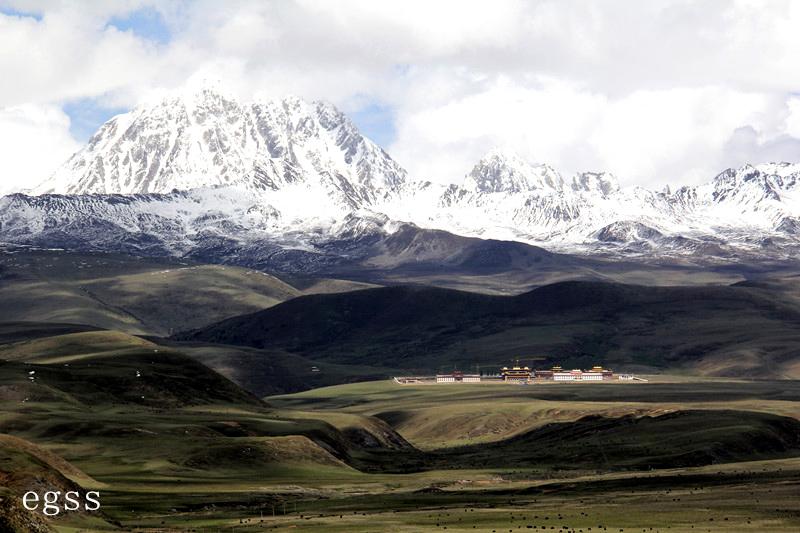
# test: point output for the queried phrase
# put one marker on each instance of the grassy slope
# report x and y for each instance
(235, 456)
(106, 367)
(274, 371)
(25, 467)
(671, 440)
(704, 330)
(435, 416)
(120, 394)
(238, 456)
(438, 258)
(562, 427)
(219, 461)
(540, 468)
(177, 435)
(161, 295)
(130, 294)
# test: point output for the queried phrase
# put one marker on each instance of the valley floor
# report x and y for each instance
(164, 470)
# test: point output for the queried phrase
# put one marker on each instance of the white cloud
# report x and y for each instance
(793, 115)
(68, 54)
(673, 136)
(653, 91)
(747, 144)
(35, 140)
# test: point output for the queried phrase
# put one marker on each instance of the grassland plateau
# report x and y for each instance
(224, 427)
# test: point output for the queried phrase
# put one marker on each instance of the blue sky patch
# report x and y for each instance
(146, 23)
(86, 116)
(376, 123)
(14, 13)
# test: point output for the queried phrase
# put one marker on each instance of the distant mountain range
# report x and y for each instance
(291, 185)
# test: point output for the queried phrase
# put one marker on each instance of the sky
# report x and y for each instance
(655, 92)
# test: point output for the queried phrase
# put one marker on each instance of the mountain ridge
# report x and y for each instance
(296, 173)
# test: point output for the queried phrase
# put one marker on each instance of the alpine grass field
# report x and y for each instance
(226, 426)
(677, 453)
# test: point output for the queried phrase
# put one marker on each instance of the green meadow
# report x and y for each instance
(221, 433)
(378, 456)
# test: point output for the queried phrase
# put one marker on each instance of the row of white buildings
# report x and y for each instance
(578, 375)
(459, 377)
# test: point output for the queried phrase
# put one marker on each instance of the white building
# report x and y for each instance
(445, 379)
(563, 376)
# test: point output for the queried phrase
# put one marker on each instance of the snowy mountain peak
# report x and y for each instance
(504, 171)
(753, 185)
(204, 80)
(601, 183)
(202, 136)
(201, 87)
(782, 169)
(766, 174)
(283, 170)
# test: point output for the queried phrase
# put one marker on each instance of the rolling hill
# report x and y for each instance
(109, 367)
(126, 293)
(134, 294)
(673, 440)
(740, 330)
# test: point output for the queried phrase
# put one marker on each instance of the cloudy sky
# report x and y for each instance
(655, 92)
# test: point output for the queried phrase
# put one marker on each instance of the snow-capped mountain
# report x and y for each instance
(505, 172)
(201, 174)
(201, 136)
(744, 211)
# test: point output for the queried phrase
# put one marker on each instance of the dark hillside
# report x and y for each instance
(108, 367)
(736, 330)
(390, 313)
(674, 440)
